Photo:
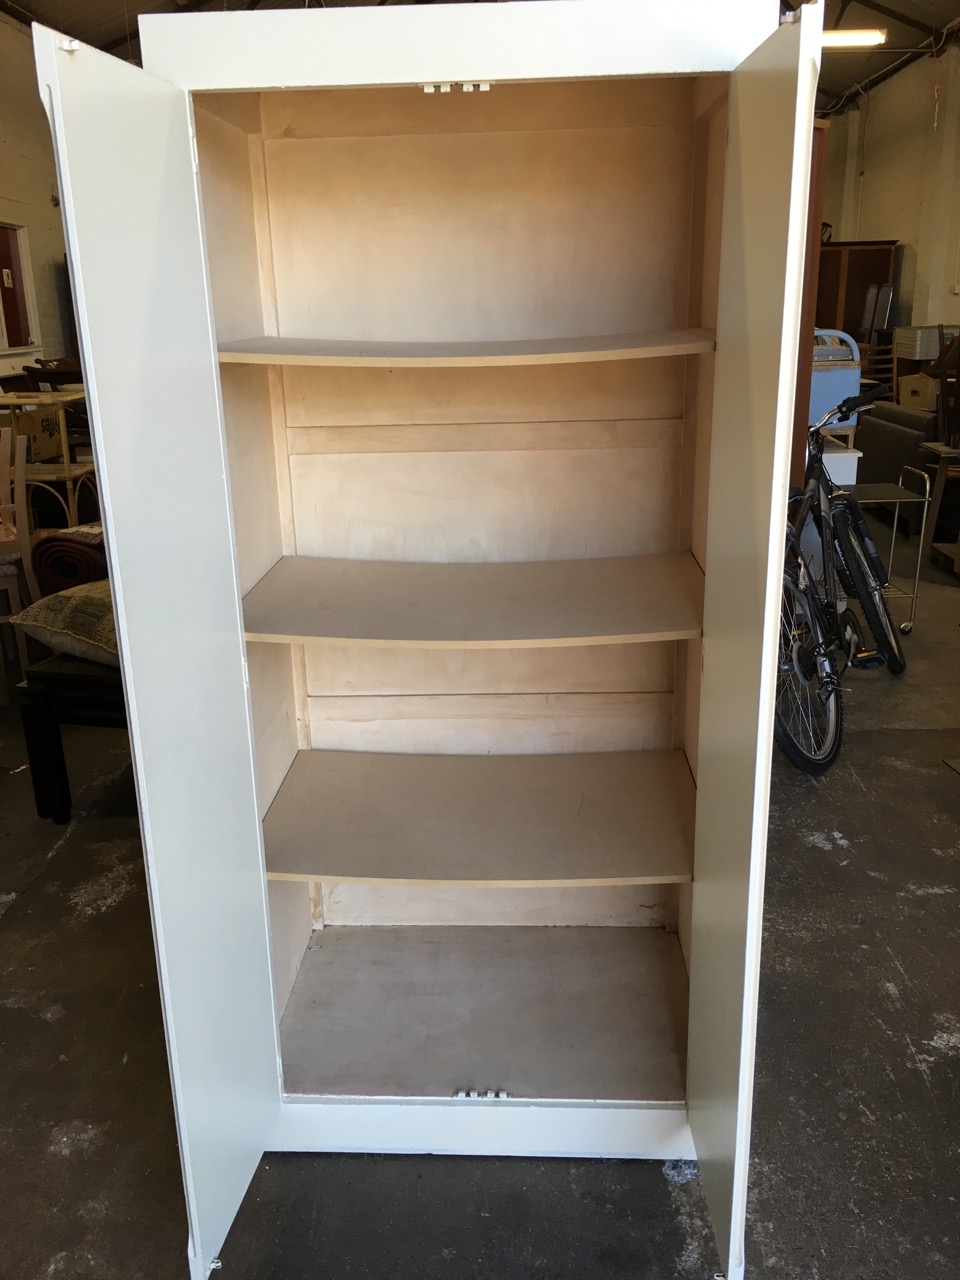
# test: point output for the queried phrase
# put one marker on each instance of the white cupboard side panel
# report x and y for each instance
(131, 211)
(764, 221)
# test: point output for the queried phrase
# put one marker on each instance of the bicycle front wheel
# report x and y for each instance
(869, 594)
(808, 721)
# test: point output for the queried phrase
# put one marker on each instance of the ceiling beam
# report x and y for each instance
(17, 12)
(894, 16)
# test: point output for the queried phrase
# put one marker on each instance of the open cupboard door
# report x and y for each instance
(128, 186)
(761, 270)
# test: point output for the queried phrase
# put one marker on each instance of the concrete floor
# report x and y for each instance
(857, 1111)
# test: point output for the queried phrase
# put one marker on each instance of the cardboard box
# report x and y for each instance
(919, 391)
(41, 426)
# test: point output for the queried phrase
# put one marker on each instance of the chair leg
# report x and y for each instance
(48, 767)
(21, 639)
(13, 595)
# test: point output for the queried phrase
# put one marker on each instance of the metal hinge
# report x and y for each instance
(476, 1095)
(193, 150)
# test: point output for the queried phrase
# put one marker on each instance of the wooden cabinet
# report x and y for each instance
(448, 619)
(848, 270)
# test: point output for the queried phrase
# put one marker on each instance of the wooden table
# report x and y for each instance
(946, 456)
(58, 471)
(58, 691)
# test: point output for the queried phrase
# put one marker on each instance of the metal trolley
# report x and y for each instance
(896, 495)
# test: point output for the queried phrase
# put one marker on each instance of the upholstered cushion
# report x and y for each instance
(78, 621)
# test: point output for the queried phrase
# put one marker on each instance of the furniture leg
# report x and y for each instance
(48, 766)
(933, 513)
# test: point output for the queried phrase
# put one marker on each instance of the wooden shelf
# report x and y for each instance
(609, 818)
(440, 355)
(423, 1012)
(476, 606)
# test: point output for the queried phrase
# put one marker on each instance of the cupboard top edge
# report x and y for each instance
(413, 44)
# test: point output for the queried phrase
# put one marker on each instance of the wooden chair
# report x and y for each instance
(14, 538)
(51, 375)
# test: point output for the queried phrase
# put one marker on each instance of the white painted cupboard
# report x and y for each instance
(441, 360)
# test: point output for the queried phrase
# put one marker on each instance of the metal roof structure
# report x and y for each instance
(915, 29)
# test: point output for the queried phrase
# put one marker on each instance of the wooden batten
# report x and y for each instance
(506, 724)
(600, 907)
(487, 437)
(334, 670)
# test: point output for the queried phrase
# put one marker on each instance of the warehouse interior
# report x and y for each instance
(853, 1153)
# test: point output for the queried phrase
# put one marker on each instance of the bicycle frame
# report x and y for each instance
(818, 501)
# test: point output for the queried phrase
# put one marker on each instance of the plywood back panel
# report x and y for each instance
(274, 706)
(248, 417)
(506, 724)
(229, 224)
(353, 113)
(488, 506)
(626, 906)
(333, 670)
(629, 389)
(465, 237)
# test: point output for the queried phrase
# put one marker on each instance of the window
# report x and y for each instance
(16, 329)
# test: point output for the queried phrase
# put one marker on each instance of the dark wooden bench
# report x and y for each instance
(58, 691)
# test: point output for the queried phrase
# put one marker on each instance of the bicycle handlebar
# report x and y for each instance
(852, 403)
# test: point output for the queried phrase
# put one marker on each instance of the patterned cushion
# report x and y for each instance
(78, 621)
(7, 568)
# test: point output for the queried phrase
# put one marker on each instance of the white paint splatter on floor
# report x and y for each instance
(690, 1210)
(678, 1172)
(947, 1039)
(94, 1210)
(119, 877)
(827, 841)
(76, 1137)
(6, 899)
(929, 890)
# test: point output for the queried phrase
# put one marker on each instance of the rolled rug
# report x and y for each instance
(69, 558)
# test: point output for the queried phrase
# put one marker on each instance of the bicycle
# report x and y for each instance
(817, 626)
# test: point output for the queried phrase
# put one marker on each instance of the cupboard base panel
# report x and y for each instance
(540, 1013)
(479, 1128)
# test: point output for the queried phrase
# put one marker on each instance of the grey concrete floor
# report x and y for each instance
(857, 1111)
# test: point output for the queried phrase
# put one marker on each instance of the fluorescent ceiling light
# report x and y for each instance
(854, 39)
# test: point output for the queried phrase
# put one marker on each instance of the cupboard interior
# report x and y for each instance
(466, 363)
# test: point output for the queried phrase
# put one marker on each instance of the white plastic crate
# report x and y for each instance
(921, 342)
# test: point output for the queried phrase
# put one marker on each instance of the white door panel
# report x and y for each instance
(131, 210)
(761, 270)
